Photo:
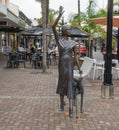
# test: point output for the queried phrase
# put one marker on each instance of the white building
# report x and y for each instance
(12, 21)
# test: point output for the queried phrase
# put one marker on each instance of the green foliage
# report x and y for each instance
(101, 13)
(39, 21)
(82, 21)
(38, 0)
(51, 16)
(91, 8)
(85, 19)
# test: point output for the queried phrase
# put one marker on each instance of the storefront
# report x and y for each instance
(12, 21)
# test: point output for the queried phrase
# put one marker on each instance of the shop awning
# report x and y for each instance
(103, 21)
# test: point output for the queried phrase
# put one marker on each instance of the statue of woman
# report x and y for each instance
(66, 49)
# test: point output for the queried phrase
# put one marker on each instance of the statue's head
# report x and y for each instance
(66, 29)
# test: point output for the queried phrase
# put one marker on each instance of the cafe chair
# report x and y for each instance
(78, 75)
(98, 69)
(21, 58)
(115, 68)
(12, 60)
(37, 60)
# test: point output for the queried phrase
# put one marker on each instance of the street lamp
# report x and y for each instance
(107, 87)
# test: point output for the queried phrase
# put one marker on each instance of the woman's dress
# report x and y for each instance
(65, 68)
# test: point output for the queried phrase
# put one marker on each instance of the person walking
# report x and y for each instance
(66, 49)
(95, 45)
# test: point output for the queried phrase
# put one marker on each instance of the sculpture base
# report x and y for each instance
(107, 91)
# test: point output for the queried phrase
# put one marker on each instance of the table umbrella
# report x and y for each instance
(76, 32)
(36, 31)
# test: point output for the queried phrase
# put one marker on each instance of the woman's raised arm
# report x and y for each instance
(61, 11)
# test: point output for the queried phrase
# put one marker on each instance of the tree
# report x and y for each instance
(85, 21)
(79, 10)
(51, 16)
(45, 8)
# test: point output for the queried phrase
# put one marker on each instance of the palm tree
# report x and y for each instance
(45, 8)
(79, 10)
(51, 16)
(86, 24)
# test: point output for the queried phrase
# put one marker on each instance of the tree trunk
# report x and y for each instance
(79, 10)
(47, 11)
(44, 7)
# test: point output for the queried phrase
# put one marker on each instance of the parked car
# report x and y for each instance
(81, 50)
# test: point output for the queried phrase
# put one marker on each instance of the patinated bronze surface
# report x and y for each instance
(65, 67)
(65, 82)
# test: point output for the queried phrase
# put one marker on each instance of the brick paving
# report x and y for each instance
(28, 102)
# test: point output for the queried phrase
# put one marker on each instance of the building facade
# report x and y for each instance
(12, 22)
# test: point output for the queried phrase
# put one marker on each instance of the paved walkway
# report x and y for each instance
(28, 102)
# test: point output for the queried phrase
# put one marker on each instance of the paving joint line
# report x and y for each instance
(49, 97)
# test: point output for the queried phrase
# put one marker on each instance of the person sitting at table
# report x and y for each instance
(32, 49)
(37, 58)
(21, 48)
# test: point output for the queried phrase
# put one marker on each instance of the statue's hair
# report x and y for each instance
(65, 27)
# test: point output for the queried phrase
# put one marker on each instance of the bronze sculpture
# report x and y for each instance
(66, 49)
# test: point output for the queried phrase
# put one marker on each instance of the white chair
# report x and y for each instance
(115, 69)
(85, 68)
(114, 64)
(98, 69)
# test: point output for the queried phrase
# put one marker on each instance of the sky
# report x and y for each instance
(32, 9)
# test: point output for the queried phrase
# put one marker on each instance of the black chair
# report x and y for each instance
(12, 60)
(21, 58)
(29, 56)
(37, 60)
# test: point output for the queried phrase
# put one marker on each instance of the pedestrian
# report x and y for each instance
(66, 48)
(95, 45)
(103, 46)
(37, 44)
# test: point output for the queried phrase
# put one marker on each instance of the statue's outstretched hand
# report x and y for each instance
(61, 11)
